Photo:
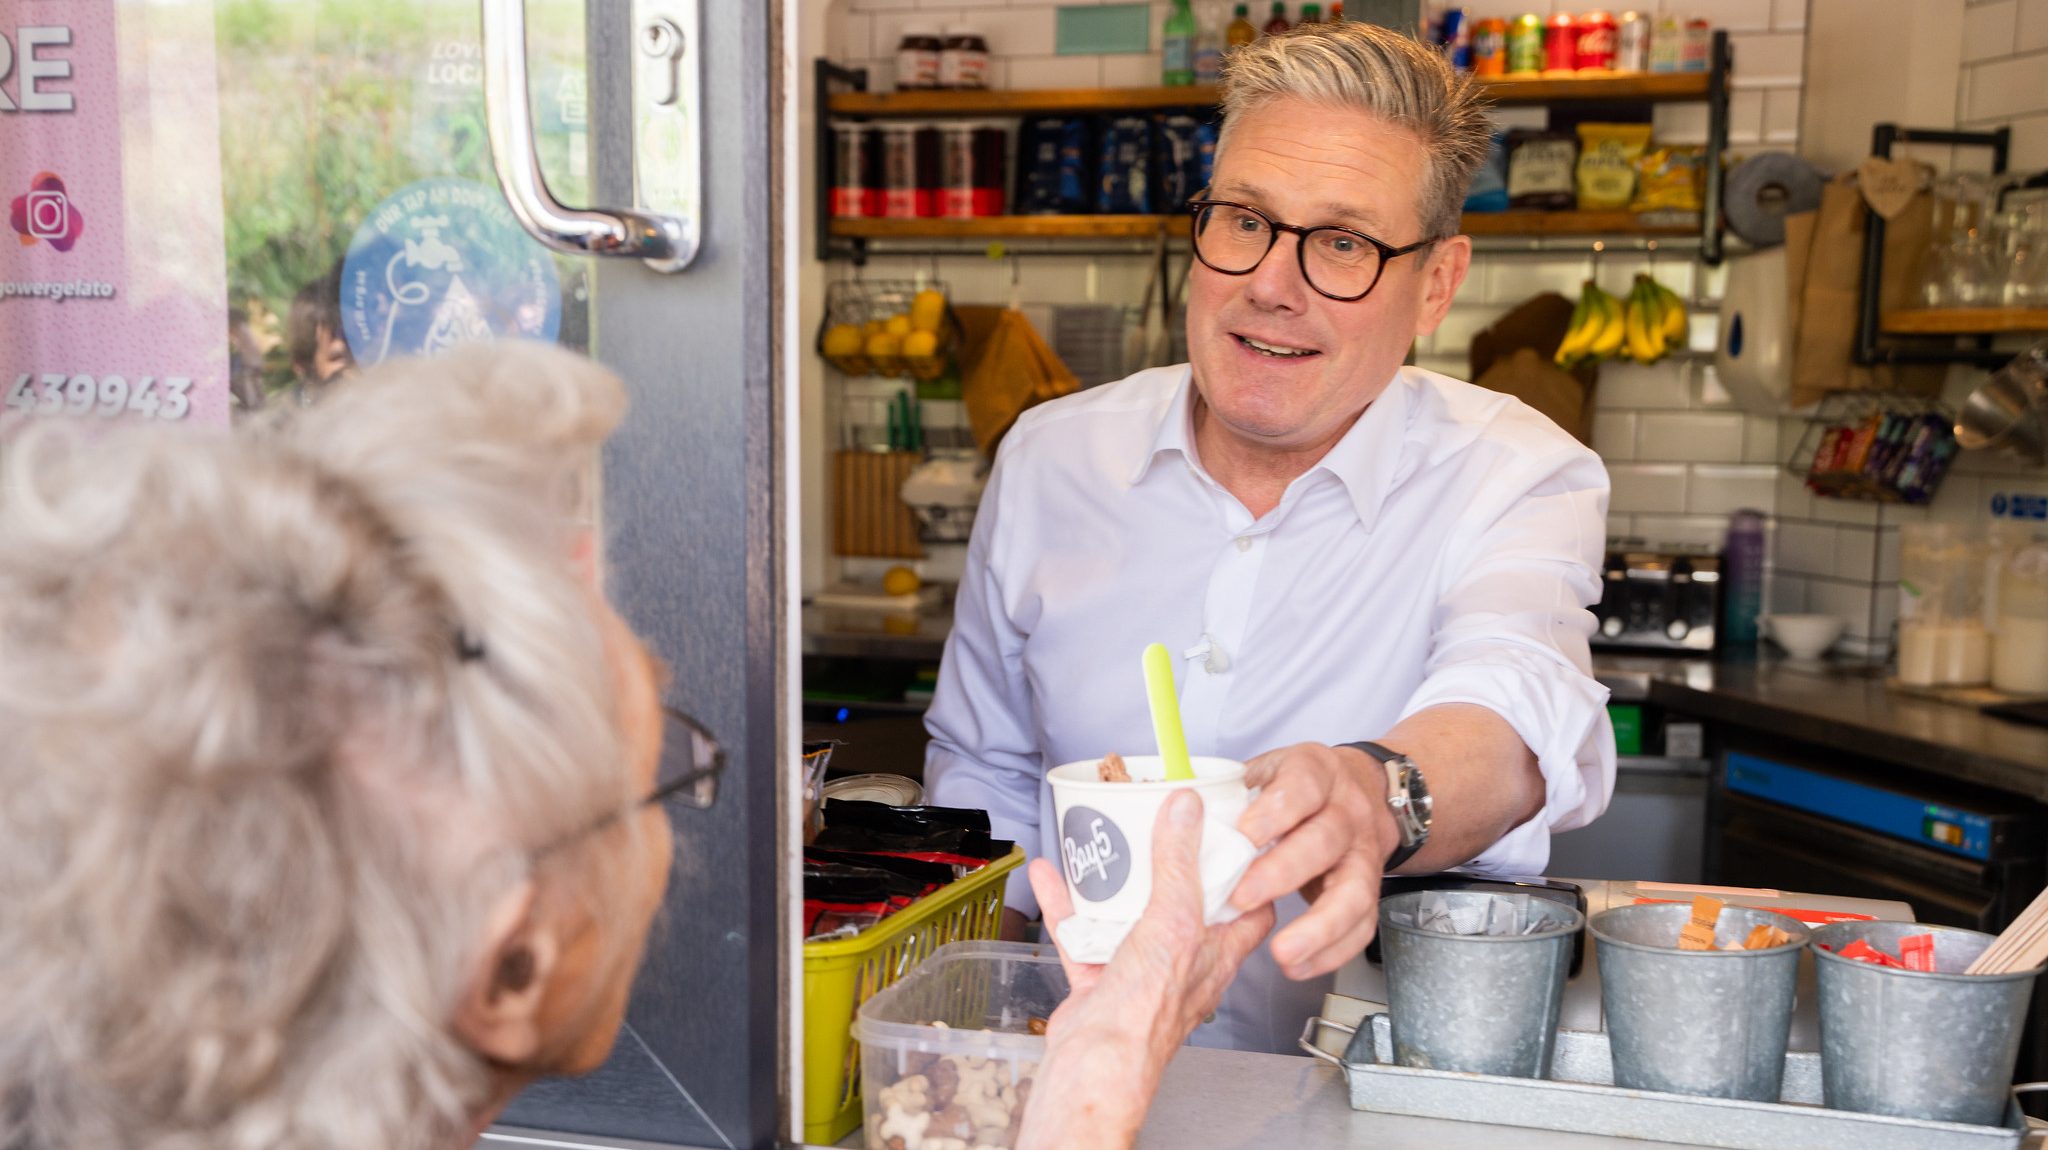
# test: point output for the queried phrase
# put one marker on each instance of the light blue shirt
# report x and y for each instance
(1444, 551)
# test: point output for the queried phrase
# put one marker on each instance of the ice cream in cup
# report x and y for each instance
(1105, 844)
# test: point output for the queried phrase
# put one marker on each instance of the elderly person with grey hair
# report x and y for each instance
(1378, 575)
(325, 813)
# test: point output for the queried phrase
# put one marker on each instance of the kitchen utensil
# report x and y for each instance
(895, 790)
(1477, 1003)
(2007, 412)
(2021, 946)
(1938, 1045)
(1804, 636)
(1710, 1022)
(1165, 704)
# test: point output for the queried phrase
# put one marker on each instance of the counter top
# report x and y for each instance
(1230, 1100)
(1851, 710)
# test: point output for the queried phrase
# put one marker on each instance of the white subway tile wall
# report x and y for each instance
(2005, 53)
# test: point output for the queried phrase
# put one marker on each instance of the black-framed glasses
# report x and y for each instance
(691, 762)
(1338, 262)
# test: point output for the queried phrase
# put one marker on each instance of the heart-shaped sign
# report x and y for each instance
(1889, 185)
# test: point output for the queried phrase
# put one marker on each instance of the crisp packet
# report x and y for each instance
(1606, 171)
(1670, 179)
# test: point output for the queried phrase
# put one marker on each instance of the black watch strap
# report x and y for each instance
(1402, 851)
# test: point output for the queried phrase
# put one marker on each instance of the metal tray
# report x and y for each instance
(1581, 1097)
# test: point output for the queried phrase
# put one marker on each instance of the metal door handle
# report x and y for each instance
(667, 239)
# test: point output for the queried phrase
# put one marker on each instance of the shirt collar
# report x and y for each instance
(1367, 460)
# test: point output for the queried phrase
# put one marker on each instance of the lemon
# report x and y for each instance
(928, 310)
(842, 340)
(920, 345)
(900, 581)
(882, 345)
(871, 327)
(898, 326)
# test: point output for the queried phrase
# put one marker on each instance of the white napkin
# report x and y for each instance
(1225, 856)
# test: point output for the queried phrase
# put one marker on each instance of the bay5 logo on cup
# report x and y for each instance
(45, 214)
(1097, 858)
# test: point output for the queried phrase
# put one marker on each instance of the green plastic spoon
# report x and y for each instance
(1166, 728)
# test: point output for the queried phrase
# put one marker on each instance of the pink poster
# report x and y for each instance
(113, 293)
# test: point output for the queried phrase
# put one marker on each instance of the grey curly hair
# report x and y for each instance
(1394, 77)
(256, 799)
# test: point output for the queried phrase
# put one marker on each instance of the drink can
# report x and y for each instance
(1632, 43)
(1490, 47)
(1525, 44)
(1595, 46)
(1454, 36)
(1697, 46)
(910, 171)
(854, 156)
(956, 171)
(1667, 44)
(1561, 45)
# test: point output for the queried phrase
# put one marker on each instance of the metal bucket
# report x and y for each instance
(1709, 1022)
(1937, 1044)
(1481, 1004)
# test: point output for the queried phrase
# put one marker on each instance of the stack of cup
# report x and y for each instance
(1476, 1003)
(1709, 1022)
(1937, 1045)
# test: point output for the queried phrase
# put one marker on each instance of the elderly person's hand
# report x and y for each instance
(1109, 1043)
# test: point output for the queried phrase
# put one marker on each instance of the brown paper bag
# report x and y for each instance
(1823, 349)
(1528, 375)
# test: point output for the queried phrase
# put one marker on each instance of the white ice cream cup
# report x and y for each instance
(1105, 829)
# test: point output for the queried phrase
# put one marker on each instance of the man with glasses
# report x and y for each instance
(1378, 575)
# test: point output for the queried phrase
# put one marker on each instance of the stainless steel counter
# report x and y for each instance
(1229, 1100)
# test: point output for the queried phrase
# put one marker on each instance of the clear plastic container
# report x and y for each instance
(948, 1052)
(1942, 639)
(2019, 648)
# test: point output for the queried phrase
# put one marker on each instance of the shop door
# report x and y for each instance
(222, 206)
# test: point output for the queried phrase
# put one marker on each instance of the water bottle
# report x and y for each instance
(1742, 584)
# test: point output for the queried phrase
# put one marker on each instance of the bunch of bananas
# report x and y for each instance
(1644, 327)
(1654, 320)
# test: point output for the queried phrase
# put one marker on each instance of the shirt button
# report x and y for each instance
(1244, 543)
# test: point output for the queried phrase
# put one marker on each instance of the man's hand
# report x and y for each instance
(1108, 1044)
(1325, 811)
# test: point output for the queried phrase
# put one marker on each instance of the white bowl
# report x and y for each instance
(1804, 636)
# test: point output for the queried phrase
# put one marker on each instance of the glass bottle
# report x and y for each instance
(1178, 42)
(1278, 23)
(1241, 31)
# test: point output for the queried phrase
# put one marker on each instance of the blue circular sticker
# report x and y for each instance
(442, 263)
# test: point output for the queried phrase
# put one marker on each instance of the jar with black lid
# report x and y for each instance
(917, 58)
(963, 58)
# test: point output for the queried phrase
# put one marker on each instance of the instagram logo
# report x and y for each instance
(45, 214)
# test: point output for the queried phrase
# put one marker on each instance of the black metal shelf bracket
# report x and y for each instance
(1711, 232)
(1868, 352)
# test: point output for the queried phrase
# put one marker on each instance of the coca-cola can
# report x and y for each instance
(1632, 43)
(1594, 48)
(1560, 45)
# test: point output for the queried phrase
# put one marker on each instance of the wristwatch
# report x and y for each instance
(1407, 796)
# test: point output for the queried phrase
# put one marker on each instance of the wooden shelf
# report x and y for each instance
(1020, 101)
(1964, 321)
(1522, 223)
(1652, 87)
(1013, 227)
(1538, 223)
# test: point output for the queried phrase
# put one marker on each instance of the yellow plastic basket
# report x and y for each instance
(841, 974)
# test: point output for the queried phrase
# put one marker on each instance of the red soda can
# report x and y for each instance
(1560, 45)
(1594, 51)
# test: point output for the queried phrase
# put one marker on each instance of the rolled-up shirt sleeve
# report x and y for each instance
(984, 751)
(1511, 635)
